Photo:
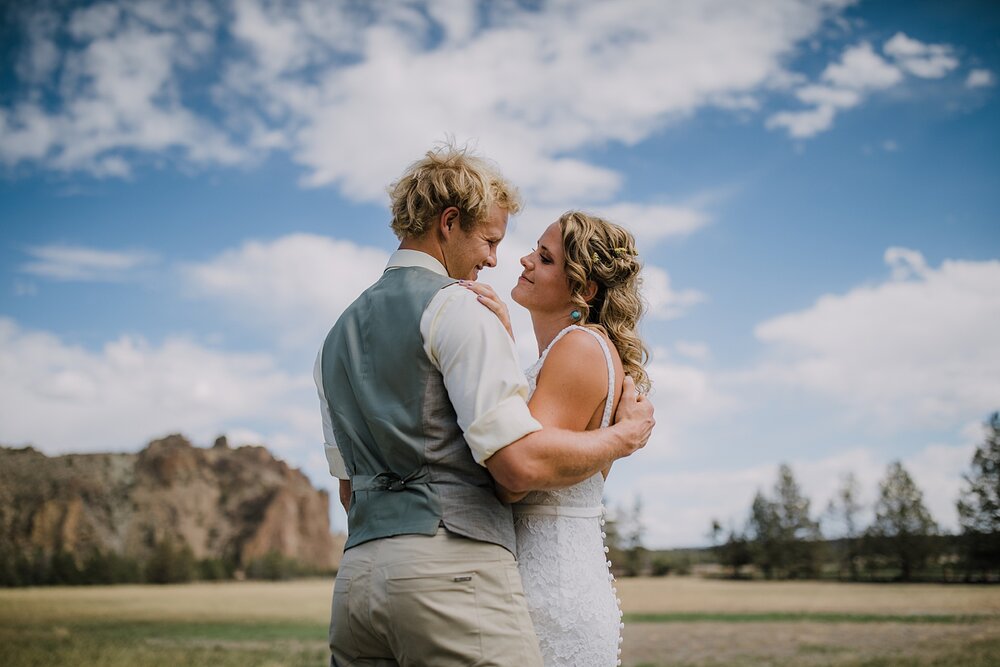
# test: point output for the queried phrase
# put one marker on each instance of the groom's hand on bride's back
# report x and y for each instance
(636, 411)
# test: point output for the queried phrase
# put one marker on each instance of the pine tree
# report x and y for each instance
(734, 552)
(766, 548)
(979, 504)
(800, 533)
(903, 525)
(635, 552)
(845, 508)
(784, 536)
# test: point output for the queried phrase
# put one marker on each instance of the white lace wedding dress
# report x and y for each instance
(563, 560)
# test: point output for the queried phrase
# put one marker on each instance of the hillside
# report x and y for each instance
(236, 504)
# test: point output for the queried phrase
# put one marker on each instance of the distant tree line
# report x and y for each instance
(169, 563)
(624, 531)
(781, 538)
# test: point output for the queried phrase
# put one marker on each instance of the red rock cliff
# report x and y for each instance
(224, 503)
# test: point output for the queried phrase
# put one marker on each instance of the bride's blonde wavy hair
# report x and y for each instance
(604, 252)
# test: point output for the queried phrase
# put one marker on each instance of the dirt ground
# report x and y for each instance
(801, 643)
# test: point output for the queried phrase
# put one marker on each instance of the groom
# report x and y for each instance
(424, 405)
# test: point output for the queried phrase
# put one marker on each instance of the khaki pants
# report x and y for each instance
(417, 600)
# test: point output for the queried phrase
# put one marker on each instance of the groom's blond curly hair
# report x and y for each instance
(448, 176)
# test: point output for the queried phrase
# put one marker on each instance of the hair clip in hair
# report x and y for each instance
(625, 251)
(597, 260)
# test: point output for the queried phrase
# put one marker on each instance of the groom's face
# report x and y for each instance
(469, 252)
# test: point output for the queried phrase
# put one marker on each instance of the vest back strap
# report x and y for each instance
(388, 481)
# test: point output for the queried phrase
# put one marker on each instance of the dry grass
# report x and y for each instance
(306, 600)
(685, 594)
(255, 623)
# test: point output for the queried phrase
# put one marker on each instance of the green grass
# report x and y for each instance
(795, 617)
(126, 644)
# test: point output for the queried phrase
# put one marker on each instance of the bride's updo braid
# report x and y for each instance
(604, 252)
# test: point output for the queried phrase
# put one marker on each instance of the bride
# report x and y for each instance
(580, 285)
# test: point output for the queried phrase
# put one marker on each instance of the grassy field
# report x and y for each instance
(670, 622)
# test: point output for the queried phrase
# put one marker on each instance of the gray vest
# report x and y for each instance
(410, 467)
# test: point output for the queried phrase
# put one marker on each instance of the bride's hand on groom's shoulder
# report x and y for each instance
(636, 409)
(488, 297)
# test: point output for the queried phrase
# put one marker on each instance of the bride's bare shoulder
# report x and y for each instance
(576, 358)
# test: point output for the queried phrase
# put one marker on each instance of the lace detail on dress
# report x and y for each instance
(563, 560)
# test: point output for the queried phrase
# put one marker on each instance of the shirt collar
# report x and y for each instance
(403, 258)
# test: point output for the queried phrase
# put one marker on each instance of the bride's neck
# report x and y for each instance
(547, 326)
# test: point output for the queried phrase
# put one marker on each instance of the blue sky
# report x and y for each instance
(192, 192)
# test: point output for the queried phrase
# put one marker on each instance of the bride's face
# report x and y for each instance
(542, 286)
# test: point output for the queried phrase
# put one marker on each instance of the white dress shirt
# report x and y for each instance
(476, 357)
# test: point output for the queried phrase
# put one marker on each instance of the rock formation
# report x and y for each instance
(234, 504)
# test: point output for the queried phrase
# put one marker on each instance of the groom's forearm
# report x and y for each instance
(555, 458)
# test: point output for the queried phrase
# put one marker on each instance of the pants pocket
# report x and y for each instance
(435, 619)
(342, 643)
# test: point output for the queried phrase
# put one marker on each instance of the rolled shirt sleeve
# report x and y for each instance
(477, 359)
(333, 456)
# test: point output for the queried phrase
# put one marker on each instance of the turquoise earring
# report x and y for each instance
(575, 315)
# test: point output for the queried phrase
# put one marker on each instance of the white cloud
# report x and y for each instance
(322, 81)
(37, 62)
(65, 262)
(686, 392)
(650, 224)
(860, 72)
(927, 61)
(119, 89)
(804, 124)
(62, 397)
(525, 106)
(295, 286)
(919, 348)
(905, 263)
(685, 396)
(664, 301)
(937, 470)
(861, 69)
(829, 96)
(27, 133)
(94, 22)
(980, 78)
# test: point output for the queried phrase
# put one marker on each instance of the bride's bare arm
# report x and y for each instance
(554, 458)
(573, 383)
(571, 387)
